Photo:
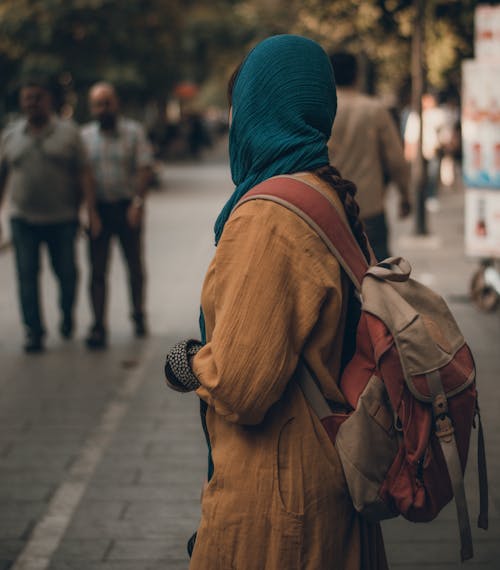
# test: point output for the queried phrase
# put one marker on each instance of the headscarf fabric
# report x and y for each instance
(283, 106)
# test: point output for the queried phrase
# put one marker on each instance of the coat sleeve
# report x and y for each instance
(269, 289)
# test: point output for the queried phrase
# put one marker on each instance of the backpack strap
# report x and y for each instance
(320, 212)
(445, 434)
(482, 521)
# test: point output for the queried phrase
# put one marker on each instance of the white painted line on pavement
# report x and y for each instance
(49, 531)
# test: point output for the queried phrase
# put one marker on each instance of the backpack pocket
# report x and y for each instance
(368, 443)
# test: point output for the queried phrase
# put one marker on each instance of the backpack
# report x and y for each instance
(410, 384)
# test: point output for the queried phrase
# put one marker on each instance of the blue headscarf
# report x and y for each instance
(283, 106)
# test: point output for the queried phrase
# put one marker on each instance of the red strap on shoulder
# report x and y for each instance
(321, 214)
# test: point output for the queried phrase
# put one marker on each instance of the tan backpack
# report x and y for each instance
(410, 384)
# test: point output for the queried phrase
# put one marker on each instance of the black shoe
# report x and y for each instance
(96, 339)
(33, 343)
(66, 328)
(140, 328)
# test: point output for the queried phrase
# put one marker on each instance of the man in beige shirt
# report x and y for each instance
(45, 173)
(366, 148)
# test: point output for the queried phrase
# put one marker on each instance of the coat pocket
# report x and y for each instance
(288, 471)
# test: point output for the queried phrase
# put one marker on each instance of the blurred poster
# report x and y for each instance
(482, 222)
(481, 136)
(487, 32)
(481, 123)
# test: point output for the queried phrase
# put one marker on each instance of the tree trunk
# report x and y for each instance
(418, 170)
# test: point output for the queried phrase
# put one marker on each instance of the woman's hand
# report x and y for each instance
(178, 372)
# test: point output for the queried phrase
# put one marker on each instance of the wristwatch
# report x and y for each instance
(137, 201)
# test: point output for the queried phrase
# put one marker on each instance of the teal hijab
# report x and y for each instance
(283, 106)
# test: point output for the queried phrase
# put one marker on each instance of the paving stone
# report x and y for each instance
(124, 447)
(15, 528)
(164, 564)
(23, 509)
(446, 551)
(92, 550)
(23, 492)
(130, 492)
(62, 435)
(130, 528)
(147, 549)
(98, 510)
(123, 476)
(10, 548)
(53, 463)
(19, 476)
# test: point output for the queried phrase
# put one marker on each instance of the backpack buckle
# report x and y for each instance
(444, 428)
(443, 424)
(440, 405)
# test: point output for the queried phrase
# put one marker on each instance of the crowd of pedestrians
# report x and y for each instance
(51, 170)
(105, 168)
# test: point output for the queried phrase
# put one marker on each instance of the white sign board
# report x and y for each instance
(487, 32)
(482, 222)
(481, 123)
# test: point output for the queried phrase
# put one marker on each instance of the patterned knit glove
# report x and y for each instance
(178, 373)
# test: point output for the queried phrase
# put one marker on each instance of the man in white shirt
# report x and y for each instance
(121, 160)
(434, 121)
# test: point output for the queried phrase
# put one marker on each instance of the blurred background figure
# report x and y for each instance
(434, 122)
(450, 139)
(366, 148)
(44, 167)
(121, 160)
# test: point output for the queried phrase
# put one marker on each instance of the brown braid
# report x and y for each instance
(346, 191)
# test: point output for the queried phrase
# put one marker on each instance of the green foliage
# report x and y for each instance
(134, 44)
(146, 46)
(381, 30)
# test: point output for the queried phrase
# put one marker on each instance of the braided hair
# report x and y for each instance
(346, 191)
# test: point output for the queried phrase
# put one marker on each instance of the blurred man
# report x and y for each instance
(366, 148)
(43, 165)
(433, 127)
(121, 160)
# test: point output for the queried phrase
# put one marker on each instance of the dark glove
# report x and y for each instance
(178, 373)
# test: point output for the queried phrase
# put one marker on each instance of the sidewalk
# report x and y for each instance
(101, 466)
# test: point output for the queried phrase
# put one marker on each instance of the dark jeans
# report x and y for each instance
(60, 239)
(378, 235)
(432, 183)
(114, 223)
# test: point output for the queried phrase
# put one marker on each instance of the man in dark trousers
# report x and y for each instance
(43, 167)
(366, 148)
(121, 160)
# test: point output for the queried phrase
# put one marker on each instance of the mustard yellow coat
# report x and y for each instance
(278, 498)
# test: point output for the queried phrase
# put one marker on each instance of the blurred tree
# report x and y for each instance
(381, 30)
(147, 46)
(134, 44)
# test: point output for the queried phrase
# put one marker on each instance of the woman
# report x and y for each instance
(273, 293)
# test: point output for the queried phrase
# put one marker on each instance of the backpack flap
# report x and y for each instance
(424, 331)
